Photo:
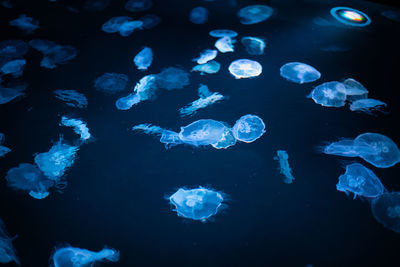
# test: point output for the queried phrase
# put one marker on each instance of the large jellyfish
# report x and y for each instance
(225, 44)
(144, 58)
(350, 16)
(219, 33)
(26, 24)
(138, 5)
(254, 14)
(245, 68)
(299, 72)
(28, 177)
(13, 48)
(206, 56)
(248, 128)
(367, 105)
(386, 210)
(53, 54)
(7, 251)
(14, 67)
(360, 181)
(253, 45)
(111, 82)
(79, 257)
(283, 158)
(202, 132)
(78, 125)
(150, 21)
(210, 67)
(196, 204)
(172, 78)
(72, 98)
(198, 15)
(96, 5)
(329, 94)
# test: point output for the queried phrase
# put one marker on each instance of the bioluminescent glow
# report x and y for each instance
(354, 90)
(350, 16)
(367, 105)
(202, 132)
(245, 68)
(198, 15)
(26, 24)
(283, 158)
(386, 210)
(205, 56)
(299, 72)
(111, 82)
(225, 44)
(253, 45)
(329, 94)
(72, 98)
(144, 58)
(78, 125)
(219, 33)
(123, 24)
(248, 128)
(210, 67)
(7, 251)
(53, 54)
(254, 14)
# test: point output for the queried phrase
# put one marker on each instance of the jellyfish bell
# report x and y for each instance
(245, 68)
(386, 210)
(350, 16)
(202, 132)
(248, 128)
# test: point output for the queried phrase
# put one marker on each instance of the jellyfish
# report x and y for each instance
(329, 94)
(197, 204)
(53, 54)
(210, 67)
(354, 90)
(386, 210)
(367, 105)
(283, 158)
(111, 82)
(348, 148)
(206, 56)
(225, 44)
(71, 98)
(7, 251)
(202, 132)
(78, 125)
(123, 24)
(9, 94)
(167, 137)
(350, 16)
(14, 67)
(96, 5)
(26, 24)
(3, 150)
(144, 58)
(219, 33)
(248, 128)
(150, 21)
(172, 78)
(13, 48)
(254, 14)
(198, 15)
(253, 45)
(227, 140)
(245, 68)
(78, 257)
(299, 72)
(138, 5)
(128, 27)
(360, 181)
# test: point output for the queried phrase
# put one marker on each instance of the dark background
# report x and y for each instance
(116, 187)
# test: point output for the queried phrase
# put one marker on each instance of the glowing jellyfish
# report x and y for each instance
(26, 24)
(253, 45)
(122, 24)
(172, 78)
(79, 257)
(227, 140)
(225, 44)
(9, 94)
(72, 98)
(144, 58)
(138, 5)
(170, 138)
(219, 33)
(329, 94)
(111, 82)
(129, 26)
(283, 158)
(13, 48)
(150, 21)
(360, 181)
(53, 54)
(96, 5)
(354, 90)
(245, 68)
(196, 204)
(350, 16)
(14, 67)
(254, 14)
(248, 128)
(210, 67)
(348, 148)
(386, 210)
(299, 72)
(7, 251)
(78, 125)
(367, 105)
(198, 15)
(205, 56)
(202, 132)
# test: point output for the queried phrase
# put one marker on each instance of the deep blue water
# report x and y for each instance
(116, 187)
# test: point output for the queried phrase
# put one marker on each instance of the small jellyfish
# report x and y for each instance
(96, 5)
(299, 72)
(7, 251)
(196, 204)
(13, 48)
(198, 15)
(283, 158)
(144, 58)
(225, 44)
(53, 54)
(150, 21)
(14, 67)
(248, 128)
(205, 56)
(172, 78)
(219, 33)
(254, 14)
(72, 98)
(253, 45)
(202, 132)
(360, 181)
(386, 210)
(138, 5)
(350, 16)
(227, 140)
(210, 67)
(78, 125)
(111, 82)
(79, 257)
(9, 94)
(329, 94)
(367, 105)
(245, 68)
(26, 24)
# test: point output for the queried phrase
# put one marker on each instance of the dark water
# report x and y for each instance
(116, 187)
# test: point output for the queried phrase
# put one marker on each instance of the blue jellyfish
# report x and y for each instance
(96, 5)
(348, 148)
(3, 150)
(248, 128)
(329, 94)
(386, 210)
(206, 56)
(354, 90)
(172, 78)
(283, 158)
(219, 33)
(7, 251)
(197, 204)
(367, 105)
(9, 94)
(144, 58)
(253, 45)
(225, 44)
(198, 15)
(170, 138)
(26, 24)
(72, 98)
(360, 181)
(78, 125)
(245, 68)
(79, 257)
(350, 16)
(13, 48)
(28, 177)
(53, 54)
(14, 67)
(202, 132)
(254, 14)
(227, 140)
(111, 82)
(128, 27)
(138, 5)
(299, 72)
(150, 21)
(123, 24)
(210, 67)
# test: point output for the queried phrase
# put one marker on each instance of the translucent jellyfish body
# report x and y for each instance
(196, 204)
(79, 257)
(299, 72)
(150, 21)
(7, 251)
(9, 94)
(386, 210)
(283, 158)
(26, 24)
(172, 78)
(253, 45)
(198, 15)
(138, 5)
(14, 67)
(254, 14)
(245, 68)
(329, 94)
(72, 98)
(111, 82)
(248, 128)
(225, 44)
(354, 90)
(144, 58)
(13, 48)
(205, 56)
(202, 132)
(360, 181)
(350, 16)
(123, 24)
(79, 126)
(210, 67)
(53, 54)
(367, 105)
(219, 33)
(348, 148)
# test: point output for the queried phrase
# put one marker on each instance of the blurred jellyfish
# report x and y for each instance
(128, 27)
(96, 5)
(245, 68)
(205, 56)
(138, 5)
(14, 67)
(9, 94)
(111, 82)
(172, 78)
(202, 132)
(79, 257)
(299, 72)
(254, 14)
(354, 90)
(350, 16)
(392, 15)
(150, 21)
(144, 58)
(7, 251)
(196, 204)
(72, 98)
(227, 140)
(3, 150)
(283, 158)
(78, 125)
(248, 128)
(198, 15)
(219, 33)
(367, 105)
(329, 94)
(7, 4)
(53, 54)
(26, 24)
(28, 177)
(13, 48)
(225, 44)
(253, 45)
(386, 210)
(210, 67)
(122, 24)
